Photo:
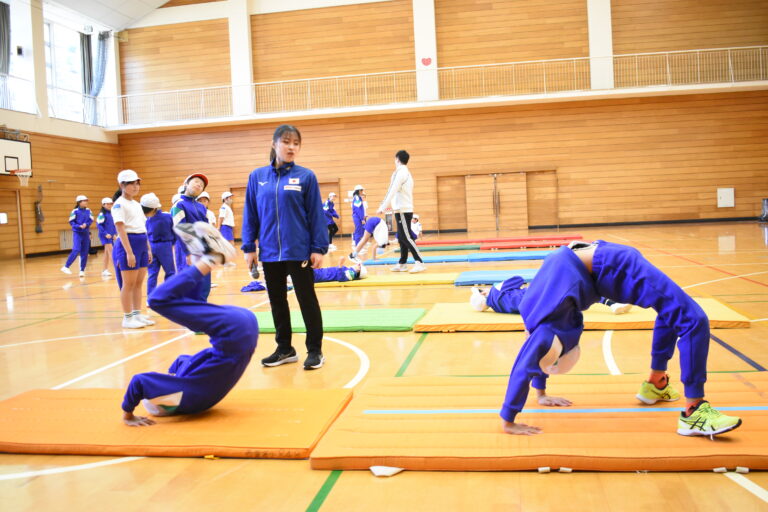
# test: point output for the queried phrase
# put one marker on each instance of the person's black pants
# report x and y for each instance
(332, 230)
(275, 274)
(407, 244)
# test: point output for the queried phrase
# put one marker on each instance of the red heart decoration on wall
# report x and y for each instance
(426, 61)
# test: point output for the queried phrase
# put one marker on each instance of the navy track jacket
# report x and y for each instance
(284, 212)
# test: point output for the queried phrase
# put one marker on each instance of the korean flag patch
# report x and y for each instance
(293, 181)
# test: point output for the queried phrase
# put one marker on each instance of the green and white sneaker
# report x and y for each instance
(649, 394)
(705, 420)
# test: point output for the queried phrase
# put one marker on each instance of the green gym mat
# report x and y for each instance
(351, 320)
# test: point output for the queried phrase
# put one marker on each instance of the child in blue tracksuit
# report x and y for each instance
(198, 382)
(80, 219)
(341, 273)
(107, 232)
(283, 214)
(188, 210)
(161, 240)
(358, 214)
(575, 277)
(329, 210)
(374, 228)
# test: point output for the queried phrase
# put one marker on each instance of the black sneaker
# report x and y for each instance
(314, 361)
(276, 359)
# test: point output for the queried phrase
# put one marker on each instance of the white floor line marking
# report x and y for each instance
(610, 362)
(724, 279)
(759, 320)
(88, 336)
(365, 363)
(67, 469)
(121, 361)
(617, 237)
(749, 485)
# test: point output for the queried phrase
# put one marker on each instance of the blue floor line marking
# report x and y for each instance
(564, 410)
(738, 354)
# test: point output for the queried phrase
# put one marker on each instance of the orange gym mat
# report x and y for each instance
(452, 424)
(456, 317)
(265, 423)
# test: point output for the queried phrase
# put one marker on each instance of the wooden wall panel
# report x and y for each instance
(640, 159)
(513, 202)
(9, 233)
(660, 25)
(479, 193)
(345, 40)
(542, 198)
(473, 32)
(65, 168)
(451, 203)
(180, 56)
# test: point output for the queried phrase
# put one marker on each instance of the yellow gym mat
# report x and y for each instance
(395, 279)
(452, 424)
(264, 423)
(454, 317)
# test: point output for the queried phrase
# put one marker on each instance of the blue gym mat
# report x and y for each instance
(474, 277)
(477, 256)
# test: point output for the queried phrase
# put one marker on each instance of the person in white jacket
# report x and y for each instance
(400, 199)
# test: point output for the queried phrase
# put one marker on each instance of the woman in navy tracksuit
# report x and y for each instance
(283, 214)
(81, 219)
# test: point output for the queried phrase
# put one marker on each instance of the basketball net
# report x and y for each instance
(23, 175)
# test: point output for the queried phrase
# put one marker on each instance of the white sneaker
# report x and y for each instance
(133, 323)
(331, 247)
(399, 268)
(418, 267)
(106, 273)
(82, 273)
(144, 319)
(216, 247)
(66, 270)
(620, 309)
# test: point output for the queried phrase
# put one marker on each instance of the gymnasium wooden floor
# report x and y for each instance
(59, 331)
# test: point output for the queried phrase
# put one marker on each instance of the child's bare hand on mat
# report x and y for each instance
(136, 421)
(520, 429)
(554, 401)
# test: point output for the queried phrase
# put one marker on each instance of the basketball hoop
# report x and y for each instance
(23, 175)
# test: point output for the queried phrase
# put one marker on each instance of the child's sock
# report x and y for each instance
(135, 312)
(659, 379)
(128, 315)
(692, 405)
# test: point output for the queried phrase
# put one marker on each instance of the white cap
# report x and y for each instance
(107, 200)
(363, 272)
(81, 197)
(358, 187)
(416, 216)
(331, 194)
(204, 195)
(478, 300)
(127, 176)
(175, 198)
(150, 200)
(226, 195)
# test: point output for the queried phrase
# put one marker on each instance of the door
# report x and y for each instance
(542, 199)
(512, 202)
(481, 206)
(9, 226)
(451, 203)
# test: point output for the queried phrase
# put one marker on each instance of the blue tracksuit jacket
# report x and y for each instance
(80, 216)
(330, 212)
(284, 212)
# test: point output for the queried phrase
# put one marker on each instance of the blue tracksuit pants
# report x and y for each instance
(162, 256)
(81, 243)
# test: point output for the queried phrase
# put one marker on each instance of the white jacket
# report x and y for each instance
(400, 193)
